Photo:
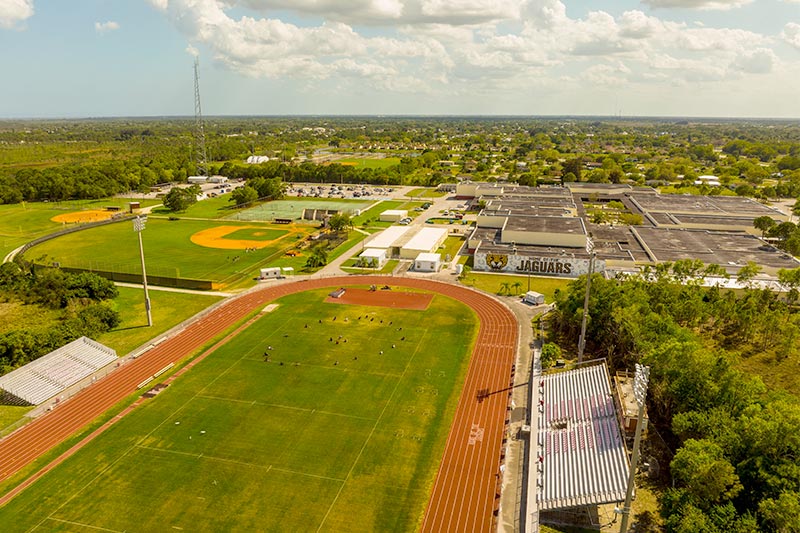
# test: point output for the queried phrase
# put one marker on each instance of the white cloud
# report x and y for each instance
(758, 61)
(705, 5)
(454, 47)
(103, 27)
(13, 12)
(791, 34)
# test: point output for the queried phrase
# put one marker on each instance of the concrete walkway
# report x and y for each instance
(174, 289)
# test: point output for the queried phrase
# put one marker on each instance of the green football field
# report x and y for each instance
(319, 436)
(168, 250)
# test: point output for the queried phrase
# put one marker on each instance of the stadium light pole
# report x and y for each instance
(640, 380)
(138, 227)
(582, 339)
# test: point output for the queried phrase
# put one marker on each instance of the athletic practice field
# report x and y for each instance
(293, 208)
(219, 251)
(299, 423)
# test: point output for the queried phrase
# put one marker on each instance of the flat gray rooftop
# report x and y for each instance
(702, 205)
(530, 250)
(727, 249)
(568, 225)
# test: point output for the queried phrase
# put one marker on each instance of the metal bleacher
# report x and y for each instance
(581, 454)
(49, 375)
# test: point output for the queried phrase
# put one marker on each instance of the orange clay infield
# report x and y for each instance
(417, 301)
(215, 238)
(92, 215)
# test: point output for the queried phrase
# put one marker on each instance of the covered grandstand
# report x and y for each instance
(51, 374)
(581, 456)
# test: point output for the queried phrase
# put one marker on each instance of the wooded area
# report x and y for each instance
(733, 444)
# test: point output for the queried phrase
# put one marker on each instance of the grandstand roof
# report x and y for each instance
(49, 375)
(581, 454)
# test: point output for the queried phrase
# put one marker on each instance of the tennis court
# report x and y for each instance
(293, 208)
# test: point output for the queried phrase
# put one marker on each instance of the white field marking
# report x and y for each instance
(372, 431)
(136, 445)
(270, 308)
(84, 525)
(267, 468)
(290, 407)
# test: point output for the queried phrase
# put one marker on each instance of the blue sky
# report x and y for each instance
(94, 58)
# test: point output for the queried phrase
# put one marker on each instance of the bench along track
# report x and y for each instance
(465, 493)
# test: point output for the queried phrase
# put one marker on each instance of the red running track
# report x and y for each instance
(464, 493)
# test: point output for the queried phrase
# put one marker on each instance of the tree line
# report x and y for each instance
(79, 299)
(735, 463)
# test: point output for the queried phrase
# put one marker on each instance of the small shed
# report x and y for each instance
(374, 255)
(393, 215)
(533, 298)
(270, 273)
(428, 262)
(197, 179)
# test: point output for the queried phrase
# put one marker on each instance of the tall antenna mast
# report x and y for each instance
(200, 134)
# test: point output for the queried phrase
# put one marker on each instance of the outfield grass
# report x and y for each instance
(24, 222)
(168, 251)
(493, 283)
(322, 442)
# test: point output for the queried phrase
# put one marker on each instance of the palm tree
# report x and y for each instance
(318, 257)
(517, 285)
(505, 288)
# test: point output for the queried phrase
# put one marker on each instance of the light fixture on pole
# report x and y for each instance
(640, 380)
(138, 227)
(582, 339)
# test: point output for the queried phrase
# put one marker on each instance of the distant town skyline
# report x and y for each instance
(661, 58)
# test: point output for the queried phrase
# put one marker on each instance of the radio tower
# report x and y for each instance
(199, 131)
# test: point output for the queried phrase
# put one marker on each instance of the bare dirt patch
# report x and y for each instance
(92, 215)
(418, 301)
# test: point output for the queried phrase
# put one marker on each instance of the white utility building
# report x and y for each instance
(376, 255)
(533, 298)
(427, 240)
(428, 262)
(270, 273)
(393, 215)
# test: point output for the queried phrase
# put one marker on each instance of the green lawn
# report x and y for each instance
(349, 266)
(492, 283)
(425, 193)
(323, 437)
(217, 207)
(451, 246)
(370, 217)
(168, 251)
(168, 309)
(386, 162)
